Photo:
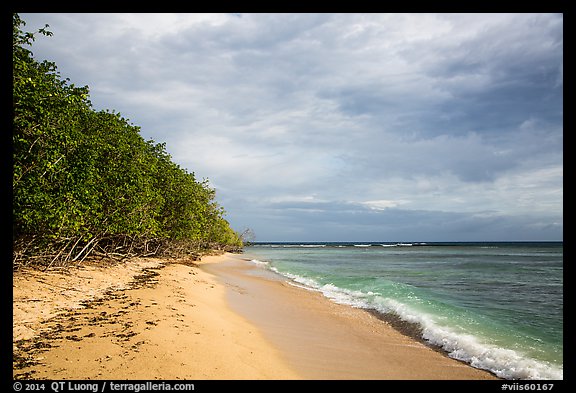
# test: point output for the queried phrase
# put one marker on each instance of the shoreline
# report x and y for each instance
(325, 340)
(219, 318)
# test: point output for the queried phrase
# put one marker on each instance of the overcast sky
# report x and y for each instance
(342, 127)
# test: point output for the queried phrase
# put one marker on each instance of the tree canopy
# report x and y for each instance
(85, 182)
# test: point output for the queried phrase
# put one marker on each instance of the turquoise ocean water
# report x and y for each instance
(497, 306)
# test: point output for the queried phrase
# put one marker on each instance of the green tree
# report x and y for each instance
(87, 182)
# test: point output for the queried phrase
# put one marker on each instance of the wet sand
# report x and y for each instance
(325, 340)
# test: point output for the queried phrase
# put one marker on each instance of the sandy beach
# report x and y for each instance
(221, 318)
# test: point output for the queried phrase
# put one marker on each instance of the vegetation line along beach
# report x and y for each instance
(86, 184)
(97, 212)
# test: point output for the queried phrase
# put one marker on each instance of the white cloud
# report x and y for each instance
(382, 204)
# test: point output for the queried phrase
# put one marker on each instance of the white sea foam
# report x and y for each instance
(301, 245)
(258, 262)
(504, 363)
